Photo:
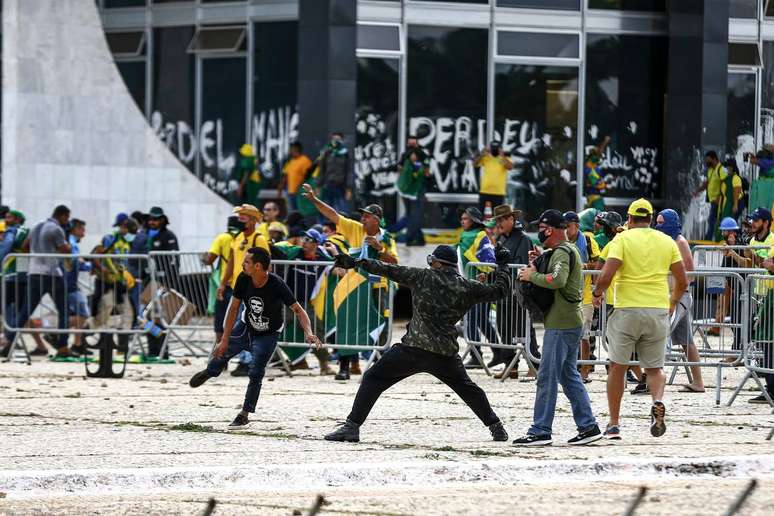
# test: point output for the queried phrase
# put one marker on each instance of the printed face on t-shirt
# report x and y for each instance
(254, 314)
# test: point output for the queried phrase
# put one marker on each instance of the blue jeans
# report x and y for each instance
(261, 348)
(559, 365)
(713, 219)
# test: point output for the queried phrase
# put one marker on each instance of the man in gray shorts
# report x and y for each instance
(641, 259)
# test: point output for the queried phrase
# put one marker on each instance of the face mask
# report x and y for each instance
(129, 237)
(494, 149)
(153, 232)
(542, 236)
(335, 143)
(671, 225)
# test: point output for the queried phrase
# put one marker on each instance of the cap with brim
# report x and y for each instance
(315, 235)
(155, 213)
(760, 214)
(571, 216)
(18, 214)
(445, 254)
(640, 208)
(120, 219)
(279, 227)
(372, 209)
(504, 211)
(248, 210)
(553, 218)
(474, 214)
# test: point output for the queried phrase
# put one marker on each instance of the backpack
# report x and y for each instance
(538, 300)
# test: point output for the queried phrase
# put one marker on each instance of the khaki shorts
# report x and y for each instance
(640, 330)
(587, 312)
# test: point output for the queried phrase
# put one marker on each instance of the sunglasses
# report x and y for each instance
(309, 240)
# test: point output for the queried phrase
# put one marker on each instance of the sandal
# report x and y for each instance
(689, 388)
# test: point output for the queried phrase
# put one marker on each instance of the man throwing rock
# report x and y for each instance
(440, 298)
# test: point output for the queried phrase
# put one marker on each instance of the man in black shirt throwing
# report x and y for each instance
(440, 297)
(256, 331)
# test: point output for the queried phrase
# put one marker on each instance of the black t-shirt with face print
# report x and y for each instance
(263, 306)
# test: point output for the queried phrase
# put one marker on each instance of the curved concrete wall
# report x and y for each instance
(72, 134)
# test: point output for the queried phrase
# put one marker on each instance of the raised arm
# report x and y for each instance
(491, 292)
(326, 211)
(406, 276)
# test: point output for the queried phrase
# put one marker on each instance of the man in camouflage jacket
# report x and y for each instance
(440, 297)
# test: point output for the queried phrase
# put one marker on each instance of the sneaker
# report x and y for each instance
(198, 379)
(630, 378)
(657, 425)
(241, 370)
(642, 388)
(348, 432)
(498, 431)
(341, 376)
(35, 352)
(80, 350)
(612, 432)
(240, 422)
(533, 440)
(589, 436)
(760, 399)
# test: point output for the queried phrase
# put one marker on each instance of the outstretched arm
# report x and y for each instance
(326, 211)
(490, 292)
(406, 276)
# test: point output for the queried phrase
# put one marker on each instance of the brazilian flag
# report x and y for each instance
(358, 321)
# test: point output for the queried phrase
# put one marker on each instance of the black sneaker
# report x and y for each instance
(498, 431)
(348, 432)
(630, 378)
(759, 400)
(341, 376)
(198, 379)
(35, 352)
(241, 370)
(533, 440)
(589, 436)
(642, 388)
(80, 350)
(657, 425)
(240, 422)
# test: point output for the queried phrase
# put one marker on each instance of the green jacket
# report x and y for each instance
(565, 313)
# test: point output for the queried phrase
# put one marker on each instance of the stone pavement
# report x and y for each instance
(150, 444)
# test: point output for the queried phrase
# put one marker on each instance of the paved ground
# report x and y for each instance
(150, 444)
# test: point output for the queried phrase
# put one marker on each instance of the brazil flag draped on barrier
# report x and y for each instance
(358, 321)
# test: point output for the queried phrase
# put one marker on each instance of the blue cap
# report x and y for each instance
(729, 224)
(761, 213)
(315, 235)
(120, 219)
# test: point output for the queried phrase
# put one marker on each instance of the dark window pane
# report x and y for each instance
(217, 1)
(743, 8)
(743, 54)
(275, 116)
(172, 1)
(536, 119)
(537, 44)
(126, 43)
(625, 89)
(377, 132)
(226, 39)
(572, 5)
(222, 132)
(173, 92)
(124, 3)
(767, 94)
(740, 108)
(460, 1)
(629, 5)
(378, 37)
(446, 104)
(133, 73)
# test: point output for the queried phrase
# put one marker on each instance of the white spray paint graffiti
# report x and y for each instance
(375, 156)
(271, 133)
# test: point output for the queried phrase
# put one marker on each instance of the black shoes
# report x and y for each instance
(657, 413)
(760, 399)
(240, 422)
(587, 437)
(498, 431)
(533, 440)
(641, 388)
(342, 376)
(241, 370)
(348, 432)
(198, 379)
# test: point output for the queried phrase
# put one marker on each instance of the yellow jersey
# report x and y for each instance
(494, 174)
(221, 247)
(239, 247)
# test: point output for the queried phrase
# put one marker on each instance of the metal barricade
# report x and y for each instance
(503, 326)
(714, 256)
(180, 301)
(758, 334)
(350, 311)
(56, 296)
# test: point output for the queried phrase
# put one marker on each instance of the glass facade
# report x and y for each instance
(629, 5)
(573, 5)
(625, 89)
(124, 3)
(766, 135)
(740, 109)
(133, 73)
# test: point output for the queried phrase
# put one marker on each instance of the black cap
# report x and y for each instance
(156, 213)
(571, 216)
(475, 214)
(445, 254)
(761, 213)
(553, 218)
(611, 219)
(372, 209)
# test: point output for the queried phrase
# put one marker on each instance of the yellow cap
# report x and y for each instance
(278, 226)
(246, 150)
(640, 208)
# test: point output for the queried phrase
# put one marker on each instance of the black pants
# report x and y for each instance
(400, 362)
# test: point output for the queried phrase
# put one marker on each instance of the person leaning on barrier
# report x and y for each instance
(730, 232)
(641, 258)
(440, 298)
(681, 327)
(263, 295)
(561, 341)
(510, 317)
(249, 216)
(760, 228)
(44, 275)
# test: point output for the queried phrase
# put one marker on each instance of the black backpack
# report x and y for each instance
(538, 300)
